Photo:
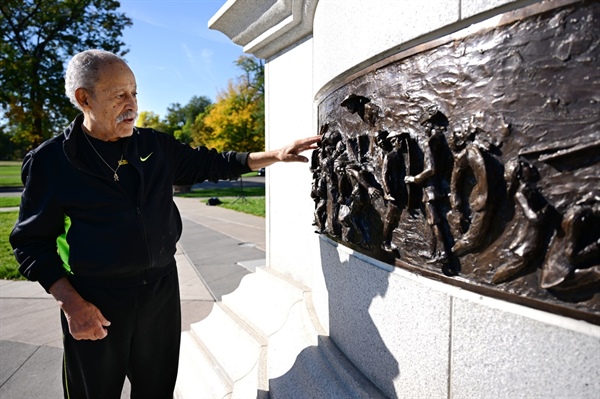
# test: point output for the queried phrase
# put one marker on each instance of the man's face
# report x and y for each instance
(111, 108)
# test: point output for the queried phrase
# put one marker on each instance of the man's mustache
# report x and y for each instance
(127, 115)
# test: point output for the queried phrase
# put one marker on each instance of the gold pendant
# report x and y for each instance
(123, 162)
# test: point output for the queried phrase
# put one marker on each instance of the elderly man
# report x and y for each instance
(98, 229)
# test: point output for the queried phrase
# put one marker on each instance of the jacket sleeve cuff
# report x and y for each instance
(242, 158)
(48, 278)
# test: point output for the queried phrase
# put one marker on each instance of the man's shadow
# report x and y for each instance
(328, 369)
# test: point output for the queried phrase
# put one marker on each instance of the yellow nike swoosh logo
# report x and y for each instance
(144, 159)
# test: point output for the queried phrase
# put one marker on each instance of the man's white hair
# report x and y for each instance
(83, 71)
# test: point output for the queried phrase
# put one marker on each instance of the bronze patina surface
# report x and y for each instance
(476, 162)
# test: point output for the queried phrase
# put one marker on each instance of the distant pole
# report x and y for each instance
(241, 197)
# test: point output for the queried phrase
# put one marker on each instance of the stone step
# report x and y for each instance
(264, 340)
(264, 299)
(303, 359)
(236, 348)
(199, 373)
(322, 371)
(297, 333)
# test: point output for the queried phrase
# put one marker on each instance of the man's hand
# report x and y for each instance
(85, 320)
(289, 153)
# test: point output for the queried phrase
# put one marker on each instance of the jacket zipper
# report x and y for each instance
(147, 241)
(138, 208)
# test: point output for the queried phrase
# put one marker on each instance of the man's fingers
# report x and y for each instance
(310, 140)
(301, 158)
(306, 144)
(295, 158)
(293, 154)
(310, 143)
(104, 322)
(93, 335)
(91, 324)
(103, 333)
(306, 148)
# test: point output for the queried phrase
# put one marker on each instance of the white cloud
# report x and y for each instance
(202, 62)
(207, 57)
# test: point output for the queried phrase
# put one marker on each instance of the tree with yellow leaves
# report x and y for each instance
(149, 119)
(236, 120)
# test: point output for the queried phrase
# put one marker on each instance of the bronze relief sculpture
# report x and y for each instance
(476, 161)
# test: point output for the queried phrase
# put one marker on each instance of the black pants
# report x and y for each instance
(142, 343)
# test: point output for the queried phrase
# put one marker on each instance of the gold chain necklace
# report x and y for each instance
(121, 161)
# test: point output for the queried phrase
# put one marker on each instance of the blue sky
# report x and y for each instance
(174, 55)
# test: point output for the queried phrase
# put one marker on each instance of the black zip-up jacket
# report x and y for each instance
(75, 222)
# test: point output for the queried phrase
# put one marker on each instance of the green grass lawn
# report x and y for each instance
(251, 205)
(252, 201)
(8, 263)
(10, 174)
(8, 202)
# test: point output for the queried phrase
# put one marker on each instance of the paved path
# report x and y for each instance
(217, 249)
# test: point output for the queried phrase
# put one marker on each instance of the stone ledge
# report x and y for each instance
(265, 28)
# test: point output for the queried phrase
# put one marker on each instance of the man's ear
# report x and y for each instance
(82, 97)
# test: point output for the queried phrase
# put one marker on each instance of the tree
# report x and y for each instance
(179, 120)
(174, 119)
(236, 120)
(254, 79)
(38, 37)
(151, 120)
(188, 114)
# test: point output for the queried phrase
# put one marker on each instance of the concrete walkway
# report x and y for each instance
(217, 249)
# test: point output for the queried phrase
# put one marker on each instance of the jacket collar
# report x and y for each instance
(73, 134)
(73, 141)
